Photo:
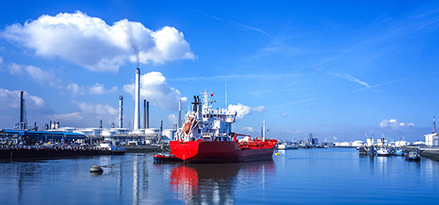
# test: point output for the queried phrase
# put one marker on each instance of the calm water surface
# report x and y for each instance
(330, 176)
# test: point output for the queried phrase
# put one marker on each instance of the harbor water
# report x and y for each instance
(304, 176)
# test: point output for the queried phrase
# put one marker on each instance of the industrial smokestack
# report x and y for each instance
(23, 120)
(21, 110)
(137, 101)
(121, 111)
(179, 114)
(144, 113)
(434, 125)
(147, 114)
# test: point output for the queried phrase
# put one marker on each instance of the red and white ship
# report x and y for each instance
(206, 137)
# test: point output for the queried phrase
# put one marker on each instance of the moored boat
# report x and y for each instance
(282, 146)
(412, 156)
(383, 152)
(163, 158)
(206, 137)
(399, 152)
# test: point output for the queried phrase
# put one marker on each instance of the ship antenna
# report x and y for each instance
(226, 91)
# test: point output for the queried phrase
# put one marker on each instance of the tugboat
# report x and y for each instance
(206, 137)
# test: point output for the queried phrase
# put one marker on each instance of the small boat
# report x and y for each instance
(282, 146)
(383, 152)
(163, 158)
(412, 156)
(362, 150)
(398, 152)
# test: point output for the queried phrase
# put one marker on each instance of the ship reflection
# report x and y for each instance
(215, 183)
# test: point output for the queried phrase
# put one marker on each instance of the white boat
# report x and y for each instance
(383, 152)
(105, 144)
(282, 146)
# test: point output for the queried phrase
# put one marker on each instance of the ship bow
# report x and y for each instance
(184, 150)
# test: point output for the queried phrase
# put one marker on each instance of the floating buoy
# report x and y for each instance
(277, 153)
(96, 169)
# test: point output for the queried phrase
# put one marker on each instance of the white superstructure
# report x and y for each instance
(207, 123)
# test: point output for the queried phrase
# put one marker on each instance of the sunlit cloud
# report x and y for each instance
(243, 110)
(155, 89)
(38, 75)
(92, 43)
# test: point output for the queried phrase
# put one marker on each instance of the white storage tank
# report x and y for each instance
(108, 133)
(169, 133)
(152, 132)
(66, 129)
(401, 143)
(138, 132)
(357, 143)
(85, 132)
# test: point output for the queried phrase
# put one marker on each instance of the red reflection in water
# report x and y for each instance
(199, 183)
(184, 180)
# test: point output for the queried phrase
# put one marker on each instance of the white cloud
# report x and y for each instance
(352, 79)
(39, 75)
(96, 89)
(393, 123)
(89, 115)
(75, 89)
(243, 110)
(92, 43)
(259, 109)
(98, 110)
(68, 117)
(11, 99)
(172, 119)
(248, 129)
(155, 89)
(284, 114)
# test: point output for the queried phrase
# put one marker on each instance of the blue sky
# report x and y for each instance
(336, 69)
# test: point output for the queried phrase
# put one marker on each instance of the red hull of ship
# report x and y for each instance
(223, 151)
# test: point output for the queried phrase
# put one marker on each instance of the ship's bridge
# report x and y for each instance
(210, 114)
(219, 114)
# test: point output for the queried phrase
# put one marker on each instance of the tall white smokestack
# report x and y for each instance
(147, 114)
(137, 101)
(121, 111)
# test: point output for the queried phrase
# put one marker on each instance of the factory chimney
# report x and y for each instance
(147, 115)
(23, 120)
(179, 114)
(121, 111)
(434, 125)
(137, 101)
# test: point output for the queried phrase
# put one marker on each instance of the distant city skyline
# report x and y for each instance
(339, 70)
